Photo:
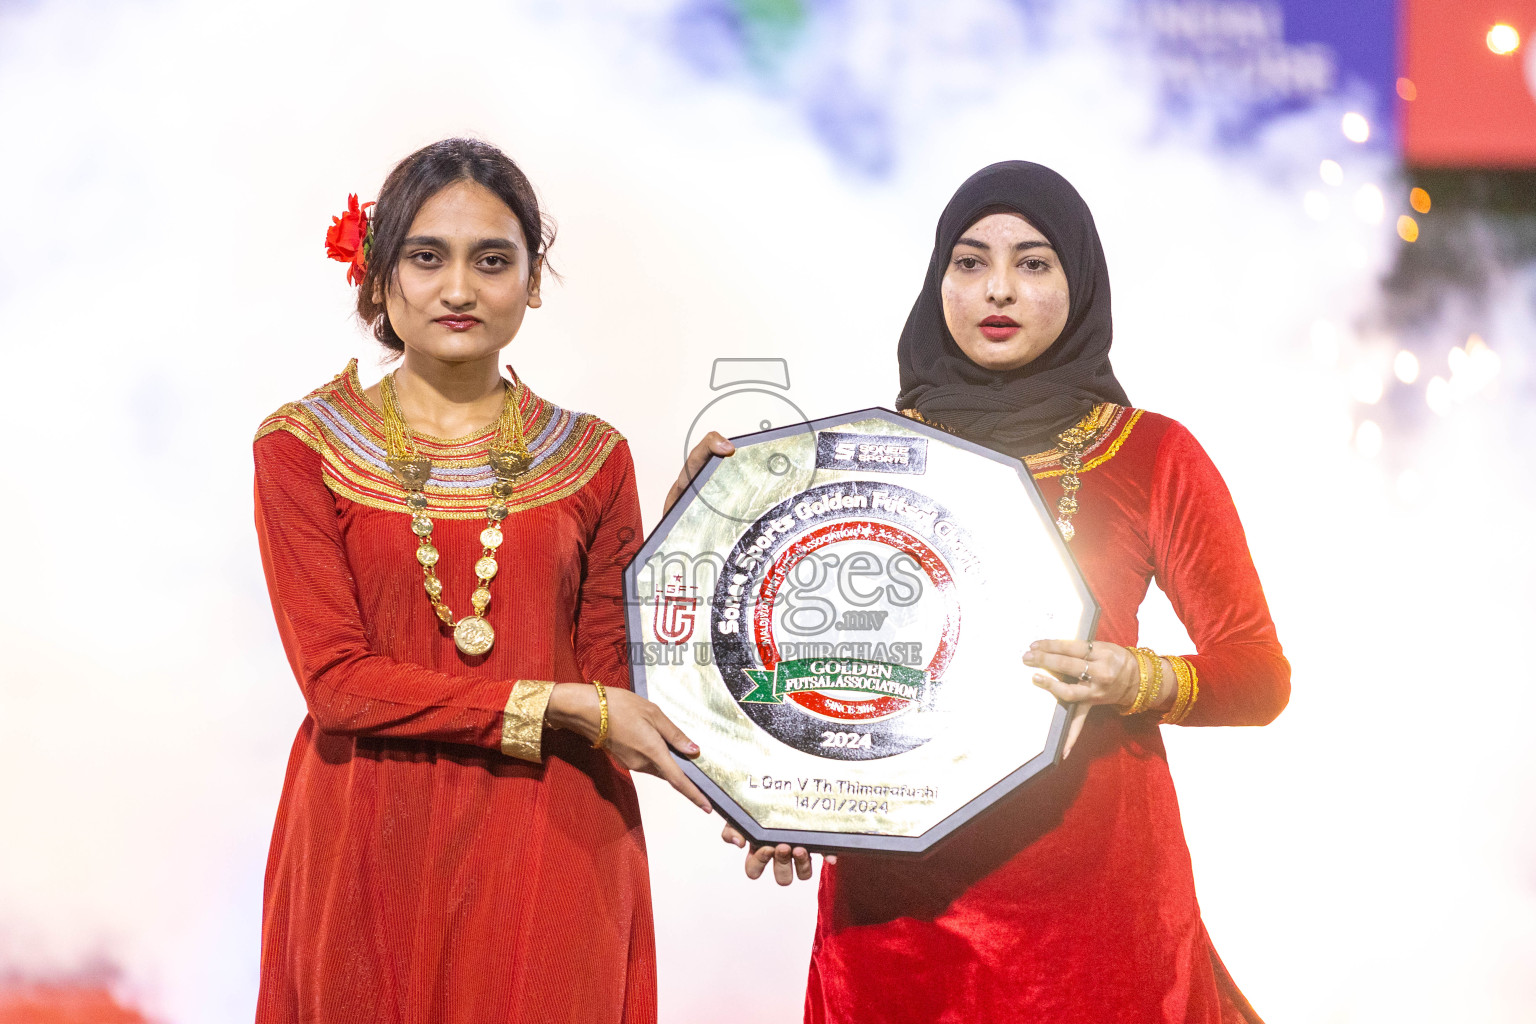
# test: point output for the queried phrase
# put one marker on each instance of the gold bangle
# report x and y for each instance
(1189, 690)
(602, 724)
(1181, 672)
(1157, 678)
(1144, 695)
(1145, 684)
(1151, 687)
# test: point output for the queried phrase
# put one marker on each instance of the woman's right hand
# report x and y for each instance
(639, 733)
(714, 443)
(788, 862)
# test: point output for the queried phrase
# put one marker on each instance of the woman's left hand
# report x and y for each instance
(1094, 673)
(714, 443)
(788, 862)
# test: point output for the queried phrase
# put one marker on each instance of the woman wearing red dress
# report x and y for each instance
(444, 554)
(1073, 900)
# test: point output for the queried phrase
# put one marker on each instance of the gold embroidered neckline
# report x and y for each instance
(1072, 444)
(1095, 424)
(375, 420)
(335, 422)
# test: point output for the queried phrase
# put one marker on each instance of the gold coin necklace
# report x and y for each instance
(508, 458)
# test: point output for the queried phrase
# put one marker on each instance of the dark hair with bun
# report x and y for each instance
(418, 178)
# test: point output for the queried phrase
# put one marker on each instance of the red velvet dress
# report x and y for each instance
(1073, 900)
(438, 856)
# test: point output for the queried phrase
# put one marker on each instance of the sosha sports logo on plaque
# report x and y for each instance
(837, 688)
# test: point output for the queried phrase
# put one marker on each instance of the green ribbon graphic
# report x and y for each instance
(879, 678)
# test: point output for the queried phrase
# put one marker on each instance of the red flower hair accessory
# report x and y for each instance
(349, 238)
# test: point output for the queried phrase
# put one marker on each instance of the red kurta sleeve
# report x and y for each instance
(616, 536)
(1203, 565)
(349, 690)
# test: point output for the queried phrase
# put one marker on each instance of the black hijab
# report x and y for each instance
(1018, 411)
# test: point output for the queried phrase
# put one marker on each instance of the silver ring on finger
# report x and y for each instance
(1084, 676)
(1090, 651)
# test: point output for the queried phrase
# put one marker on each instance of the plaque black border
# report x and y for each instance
(840, 842)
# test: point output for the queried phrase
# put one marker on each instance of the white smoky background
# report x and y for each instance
(171, 167)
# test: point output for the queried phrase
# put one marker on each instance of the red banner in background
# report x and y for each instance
(1470, 105)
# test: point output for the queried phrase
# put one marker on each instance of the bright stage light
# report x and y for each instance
(1438, 396)
(1367, 389)
(1419, 200)
(1503, 39)
(1369, 204)
(1485, 363)
(1331, 172)
(1406, 366)
(1473, 368)
(1356, 127)
(1366, 385)
(1407, 90)
(1407, 228)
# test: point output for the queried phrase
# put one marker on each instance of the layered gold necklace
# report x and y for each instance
(1072, 441)
(508, 458)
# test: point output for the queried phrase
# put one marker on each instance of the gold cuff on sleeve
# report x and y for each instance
(522, 723)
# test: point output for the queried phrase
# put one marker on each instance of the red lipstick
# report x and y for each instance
(458, 321)
(999, 328)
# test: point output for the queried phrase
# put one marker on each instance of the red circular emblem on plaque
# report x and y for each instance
(855, 710)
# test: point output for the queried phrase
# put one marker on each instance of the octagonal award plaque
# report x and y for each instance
(836, 615)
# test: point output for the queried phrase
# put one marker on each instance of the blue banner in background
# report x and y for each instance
(1242, 63)
(1253, 60)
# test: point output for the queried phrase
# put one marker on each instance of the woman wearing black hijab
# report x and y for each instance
(1072, 900)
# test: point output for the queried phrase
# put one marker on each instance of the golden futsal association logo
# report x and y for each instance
(845, 694)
